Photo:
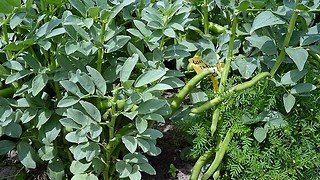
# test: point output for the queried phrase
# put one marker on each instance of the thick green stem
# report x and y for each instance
(231, 91)
(205, 17)
(219, 155)
(140, 8)
(285, 42)
(5, 34)
(226, 69)
(200, 163)
(187, 88)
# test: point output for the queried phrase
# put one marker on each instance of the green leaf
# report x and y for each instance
(130, 143)
(91, 150)
(78, 167)
(78, 117)
(49, 131)
(148, 77)
(5, 7)
(245, 68)
(69, 123)
(260, 134)
(209, 57)
(130, 115)
(78, 5)
(264, 43)
(98, 80)
(92, 110)
(13, 130)
(132, 49)
(68, 101)
(86, 82)
(136, 158)
(266, 18)
(16, 76)
(154, 117)
(150, 106)
(151, 134)
(145, 146)
(293, 76)
(16, 19)
(303, 88)
(55, 169)
(31, 61)
(29, 114)
(146, 167)
(288, 101)
(127, 67)
(298, 55)
(71, 87)
(159, 87)
(71, 47)
(6, 146)
(38, 83)
(84, 177)
(47, 153)
(135, 174)
(141, 124)
(43, 116)
(76, 137)
(116, 43)
(78, 152)
(142, 28)
(55, 32)
(93, 12)
(123, 168)
(25, 155)
(196, 96)
(169, 32)
(173, 82)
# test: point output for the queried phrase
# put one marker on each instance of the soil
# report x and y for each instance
(171, 145)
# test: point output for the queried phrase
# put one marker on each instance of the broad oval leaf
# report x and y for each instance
(141, 124)
(86, 82)
(92, 110)
(303, 88)
(288, 101)
(298, 55)
(68, 101)
(78, 167)
(260, 134)
(266, 18)
(98, 80)
(130, 143)
(148, 77)
(293, 76)
(127, 67)
(26, 155)
(6, 146)
(151, 105)
(38, 83)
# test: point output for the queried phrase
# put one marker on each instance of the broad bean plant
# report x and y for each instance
(82, 82)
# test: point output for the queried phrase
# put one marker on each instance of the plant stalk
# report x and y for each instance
(285, 42)
(205, 17)
(226, 69)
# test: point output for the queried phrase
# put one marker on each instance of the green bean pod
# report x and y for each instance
(219, 155)
(6, 92)
(216, 28)
(200, 163)
(215, 119)
(230, 92)
(187, 88)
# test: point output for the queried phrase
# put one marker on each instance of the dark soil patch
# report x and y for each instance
(171, 145)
